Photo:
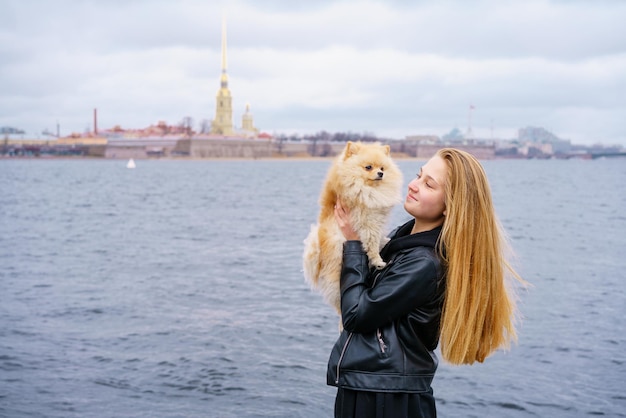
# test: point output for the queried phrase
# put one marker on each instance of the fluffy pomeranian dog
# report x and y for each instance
(368, 184)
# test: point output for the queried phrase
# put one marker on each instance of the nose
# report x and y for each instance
(413, 185)
(380, 174)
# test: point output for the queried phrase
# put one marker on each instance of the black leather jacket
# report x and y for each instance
(390, 317)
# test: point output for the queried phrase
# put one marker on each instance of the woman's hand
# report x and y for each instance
(342, 216)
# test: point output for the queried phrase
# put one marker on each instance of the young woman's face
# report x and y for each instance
(425, 199)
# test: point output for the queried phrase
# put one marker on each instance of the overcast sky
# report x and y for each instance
(392, 68)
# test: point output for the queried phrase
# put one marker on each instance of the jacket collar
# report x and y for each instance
(402, 239)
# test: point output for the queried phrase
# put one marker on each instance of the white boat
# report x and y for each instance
(130, 164)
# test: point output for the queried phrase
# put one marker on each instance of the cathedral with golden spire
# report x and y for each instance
(223, 122)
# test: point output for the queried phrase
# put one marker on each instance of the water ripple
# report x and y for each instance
(151, 292)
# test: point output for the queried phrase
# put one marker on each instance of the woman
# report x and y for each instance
(444, 281)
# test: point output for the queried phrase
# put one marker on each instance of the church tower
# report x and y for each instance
(247, 123)
(223, 122)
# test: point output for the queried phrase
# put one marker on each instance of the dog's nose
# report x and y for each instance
(380, 174)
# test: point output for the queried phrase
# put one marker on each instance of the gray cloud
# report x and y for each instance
(392, 68)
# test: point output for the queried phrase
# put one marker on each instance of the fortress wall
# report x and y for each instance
(226, 148)
(241, 148)
(320, 149)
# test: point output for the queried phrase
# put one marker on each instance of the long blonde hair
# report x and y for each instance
(479, 309)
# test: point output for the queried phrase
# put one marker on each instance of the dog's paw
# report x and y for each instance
(379, 264)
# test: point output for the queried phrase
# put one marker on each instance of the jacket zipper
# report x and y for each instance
(343, 351)
(379, 334)
(381, 342)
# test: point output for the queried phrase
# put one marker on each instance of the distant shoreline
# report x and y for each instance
(82, 157)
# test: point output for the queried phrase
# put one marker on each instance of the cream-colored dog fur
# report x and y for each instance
(368, 184)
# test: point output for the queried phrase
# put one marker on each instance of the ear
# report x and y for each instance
(387, 149)
(351, 148)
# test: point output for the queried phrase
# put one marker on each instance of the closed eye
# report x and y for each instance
(419, 175)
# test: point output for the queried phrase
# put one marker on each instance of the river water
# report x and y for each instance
(175, 290)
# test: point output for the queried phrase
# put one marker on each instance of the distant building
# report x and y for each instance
(454, 135)
(480, 151)
(223, 122)
(222, 125)
(425, 146)
(422, 139)
(534, 134)
(247, 123)
(543, 140)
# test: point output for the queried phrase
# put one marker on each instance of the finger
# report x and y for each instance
(341, 212)
(339, 219)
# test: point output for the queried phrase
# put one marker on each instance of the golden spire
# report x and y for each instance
(223, 122)
(224, 77)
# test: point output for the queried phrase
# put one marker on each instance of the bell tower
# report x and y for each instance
(247, 122)
(223, 122)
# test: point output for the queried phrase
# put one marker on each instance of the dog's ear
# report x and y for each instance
(351, 149)
(387, 149)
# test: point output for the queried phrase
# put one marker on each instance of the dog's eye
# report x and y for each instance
(382, 168)
(368, 167)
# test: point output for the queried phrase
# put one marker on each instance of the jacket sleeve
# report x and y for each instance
(404, 285)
